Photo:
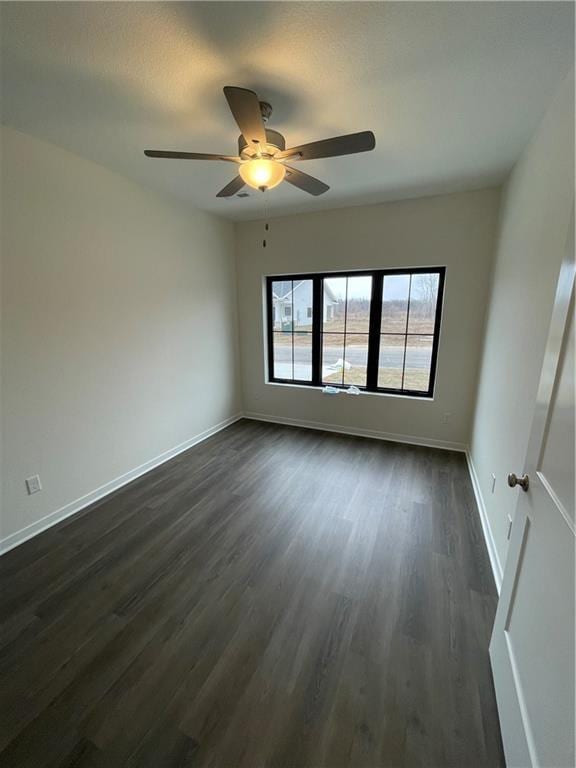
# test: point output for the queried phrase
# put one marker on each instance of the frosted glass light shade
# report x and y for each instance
(260, 173)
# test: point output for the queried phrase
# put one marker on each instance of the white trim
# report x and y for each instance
(19, 537)
(377, 435)
(486, 529)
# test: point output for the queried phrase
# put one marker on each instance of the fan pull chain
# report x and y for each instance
(266, 225)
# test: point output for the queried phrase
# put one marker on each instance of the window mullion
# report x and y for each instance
(270, 323)
(317, 317)
(406, 331)
(344, 337)
(292, 324)
(436, 338)
(374, 331)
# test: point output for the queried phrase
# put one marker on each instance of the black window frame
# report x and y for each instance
(374, 331)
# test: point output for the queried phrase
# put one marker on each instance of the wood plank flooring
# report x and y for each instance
(272, 597)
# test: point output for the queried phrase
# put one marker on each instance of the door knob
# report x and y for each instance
(523, 481)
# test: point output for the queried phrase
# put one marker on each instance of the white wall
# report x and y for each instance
(457, 231)
(537, 203)
(118, 326)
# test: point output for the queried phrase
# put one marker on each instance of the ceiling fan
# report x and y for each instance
(262, 152)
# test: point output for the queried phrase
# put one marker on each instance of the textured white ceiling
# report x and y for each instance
(452, 91)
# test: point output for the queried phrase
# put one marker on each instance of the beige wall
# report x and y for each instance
(457, 231)
(536, 208)
(118, 326)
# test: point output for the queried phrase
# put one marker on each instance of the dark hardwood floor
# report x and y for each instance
(272, 597)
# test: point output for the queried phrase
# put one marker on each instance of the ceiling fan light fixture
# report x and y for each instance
(261, 173)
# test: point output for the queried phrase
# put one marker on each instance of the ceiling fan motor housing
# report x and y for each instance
(275, 141)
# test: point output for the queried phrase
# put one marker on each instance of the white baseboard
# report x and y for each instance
(376, 434)
(19, 537)
(486, 529)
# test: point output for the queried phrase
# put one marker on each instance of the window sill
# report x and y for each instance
(362, 393)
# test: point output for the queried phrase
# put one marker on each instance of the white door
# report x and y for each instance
(532, 647)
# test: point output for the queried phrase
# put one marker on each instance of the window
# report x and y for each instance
(291, 342)
(377, 330)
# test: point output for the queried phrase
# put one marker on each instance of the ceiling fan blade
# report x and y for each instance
(232, 187)
(189, 155)
(350, 144)
(305, 182)
(245, 107)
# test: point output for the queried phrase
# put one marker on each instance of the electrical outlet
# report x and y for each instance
(446, 417)
(493, 482)
(33, 484)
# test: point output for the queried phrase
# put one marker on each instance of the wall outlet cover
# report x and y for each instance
(33, 484)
